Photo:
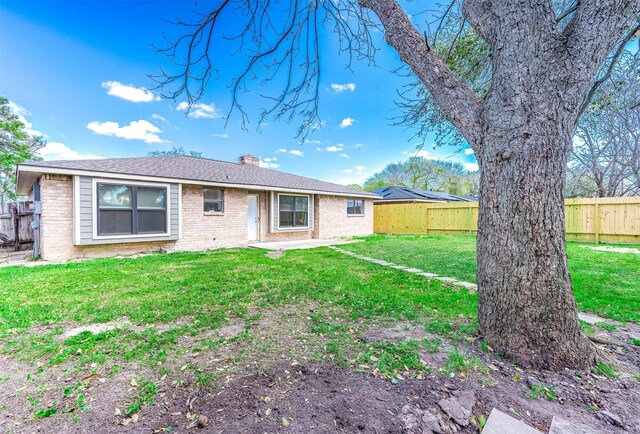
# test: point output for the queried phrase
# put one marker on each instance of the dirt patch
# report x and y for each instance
(613, 249)
(270, 377)
(275, 254)
(401, 331)
(305, 399)
(94, 329)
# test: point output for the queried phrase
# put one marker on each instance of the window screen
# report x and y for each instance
(355, 206)
(213, 200)
(294, 211)
(130, 209)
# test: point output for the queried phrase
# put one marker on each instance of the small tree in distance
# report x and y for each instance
(16, 146)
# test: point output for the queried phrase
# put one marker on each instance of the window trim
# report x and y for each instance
(362, 207)
(204, 200)
(294, 228)
(94, 208)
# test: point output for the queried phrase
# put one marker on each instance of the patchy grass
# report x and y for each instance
(208, 289)
(606, 370)
(549, 392)
(459, 362)
(607, 283)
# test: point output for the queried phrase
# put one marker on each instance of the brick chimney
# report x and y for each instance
(249, 159)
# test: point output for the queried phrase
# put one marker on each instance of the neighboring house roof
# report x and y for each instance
(185, 169)
(399, 194)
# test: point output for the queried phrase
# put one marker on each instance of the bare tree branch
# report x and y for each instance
(612, 63)
(457, 101)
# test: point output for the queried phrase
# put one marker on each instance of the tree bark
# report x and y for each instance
(527, 310)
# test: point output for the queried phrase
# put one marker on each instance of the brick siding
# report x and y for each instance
(199, 230)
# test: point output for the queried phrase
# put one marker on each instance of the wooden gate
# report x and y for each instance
(16, 232)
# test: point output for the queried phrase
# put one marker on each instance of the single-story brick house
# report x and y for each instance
(95, 208)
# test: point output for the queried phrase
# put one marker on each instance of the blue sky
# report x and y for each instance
(77, 73)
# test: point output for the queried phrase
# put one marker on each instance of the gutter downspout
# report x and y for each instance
(35, 224)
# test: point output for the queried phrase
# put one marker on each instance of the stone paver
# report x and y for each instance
(501, 423)
(591, 318)
(562, 426)
(472, 287)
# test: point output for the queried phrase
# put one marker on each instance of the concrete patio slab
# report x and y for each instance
(299, 244)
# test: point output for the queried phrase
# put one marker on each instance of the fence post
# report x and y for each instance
(597, 221)
(15, 217)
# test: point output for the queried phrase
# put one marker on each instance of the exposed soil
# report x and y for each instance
(281, 392)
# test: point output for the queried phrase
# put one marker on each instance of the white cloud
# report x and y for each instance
(355, 175)
(22, 113)
(200, 110)
(471, 167)
(158, 117)
(129, 92)
(269, 163)
(468, 151)
(223, 135)
(346, 122)
(359, 145)
(344, 155)
(313, 142)
(319, 149)
(334, 148)
(297, 152)
(136, 130)
(342, 87)
(60, 151)
(421, 153)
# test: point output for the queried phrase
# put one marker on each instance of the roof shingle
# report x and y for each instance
(198, 169)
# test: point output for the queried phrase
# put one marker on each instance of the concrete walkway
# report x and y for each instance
(299, 244)
(8, 259)
(472, 287)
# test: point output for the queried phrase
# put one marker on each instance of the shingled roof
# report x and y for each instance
(187, 169)
(399, 194)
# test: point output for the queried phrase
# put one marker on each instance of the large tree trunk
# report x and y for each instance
(527, 310)
(521, 135)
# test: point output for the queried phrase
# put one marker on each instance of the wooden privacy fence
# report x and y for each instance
(601, 220)
(16, 232)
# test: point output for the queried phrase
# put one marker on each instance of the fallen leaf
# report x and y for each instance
(285, 422)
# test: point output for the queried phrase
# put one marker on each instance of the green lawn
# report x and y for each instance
(314, 306)
(208, 289)
(607, 283)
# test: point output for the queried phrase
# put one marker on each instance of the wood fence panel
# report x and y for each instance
(606, 220)
(16, 232)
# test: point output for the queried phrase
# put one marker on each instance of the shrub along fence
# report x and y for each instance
(16, 232)
(599, 220)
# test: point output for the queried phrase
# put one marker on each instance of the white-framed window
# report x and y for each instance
(355, 206)
(293, 211)
(213, 200)
(129, 209)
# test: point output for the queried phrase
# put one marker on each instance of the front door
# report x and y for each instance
(253, 217)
